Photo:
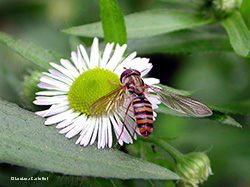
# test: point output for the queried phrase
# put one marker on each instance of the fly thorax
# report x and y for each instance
(139, 90)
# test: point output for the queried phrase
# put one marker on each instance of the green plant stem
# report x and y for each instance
(177, 155)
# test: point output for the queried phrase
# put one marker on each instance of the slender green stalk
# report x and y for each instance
(167, 147)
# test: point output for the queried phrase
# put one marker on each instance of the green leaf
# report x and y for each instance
(223, 118)
(74, 41)
(195, 4)
(37, 55)
(187, 41)
(244, 10)
(237, 107)
(238, 33)
(113, 23)
(25, 141)
(146, 24)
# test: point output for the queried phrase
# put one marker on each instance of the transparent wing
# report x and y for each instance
(108, 102)
(181, 103)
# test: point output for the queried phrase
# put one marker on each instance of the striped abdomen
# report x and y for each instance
(143, 113)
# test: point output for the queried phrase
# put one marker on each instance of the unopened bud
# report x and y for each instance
(224, 7)
(194, 168)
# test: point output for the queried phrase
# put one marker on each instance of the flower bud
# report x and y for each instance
(194, 168)
(224, 7)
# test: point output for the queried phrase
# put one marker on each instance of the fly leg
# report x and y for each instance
(122, 126)
(116, 83)
(134, 131)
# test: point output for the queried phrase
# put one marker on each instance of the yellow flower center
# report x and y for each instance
(90, 86)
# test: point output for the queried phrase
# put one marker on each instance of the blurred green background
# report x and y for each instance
(222, 78)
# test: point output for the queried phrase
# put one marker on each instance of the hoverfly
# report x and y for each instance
(134, 86)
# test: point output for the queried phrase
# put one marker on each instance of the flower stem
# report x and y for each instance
(167, 147)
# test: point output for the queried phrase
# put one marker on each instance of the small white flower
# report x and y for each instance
(73, 86)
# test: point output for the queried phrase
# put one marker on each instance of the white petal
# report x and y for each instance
(59, 76)
(117, 129)
(62, 70)
(74, 131)
(71, 119)
(125, 135)
(140, 63)
(50, 87)
(50, 93)
(106, 54)
(84, 55)
(80, 140)
(154, 115)
(94, 135)
(154, 101)
(151, 81)
(54, 109)
(117, 56)
(131, 125)
(100, 143)
(77, 121)
(77, 127)
(130, 121)
(146, 70)
(125, 63)
(109, 131)
(54, 82)
(88, 134)
(81, 64)
(129, 58)
(105, 130)
(58, 117)
(67, 129)
(70, 67)
(42, 100)
(94, 55)
(74, 58)
(88, 128)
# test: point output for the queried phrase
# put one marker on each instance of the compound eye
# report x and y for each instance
(125, 73)
(136, 71)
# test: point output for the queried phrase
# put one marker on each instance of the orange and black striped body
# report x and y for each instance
(143, 113)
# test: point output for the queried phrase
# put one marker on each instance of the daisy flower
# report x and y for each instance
(74, 85)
